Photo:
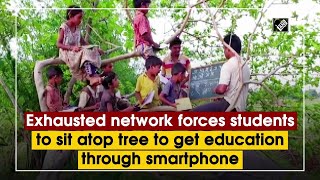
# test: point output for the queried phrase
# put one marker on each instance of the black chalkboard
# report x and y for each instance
(203, 80)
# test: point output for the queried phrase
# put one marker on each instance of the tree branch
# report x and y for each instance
(185, 21)
(121, 57)
(71, 83)
(254, 30)
(88, 27)
(213, 16)
(112, 50)
(177, 33)
(102, 38)
(127, 11)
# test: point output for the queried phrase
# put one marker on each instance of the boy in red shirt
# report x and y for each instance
(144, 43)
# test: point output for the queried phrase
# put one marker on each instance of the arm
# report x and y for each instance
(159, 85)
(186, 79)
(138, 89)
(188, 67)
(128, 109)
(90, 108)
(165, 101)
(60, 41)
(83, 42)
(225, 77)
(144, 29)
(109, 107)
(165, 92)
(163, 70)
(51, 101)
(148, 37)
(139, 98)
(221, 89)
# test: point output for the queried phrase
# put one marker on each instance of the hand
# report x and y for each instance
(174, 105)
(214, 90)
(97, 106)
(101, 52)
(131, 108)
(156, 45)
(136, 108)
(76, 48)
(65, 105)
(141, 102)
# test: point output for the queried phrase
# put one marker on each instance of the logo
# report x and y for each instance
(280, 24)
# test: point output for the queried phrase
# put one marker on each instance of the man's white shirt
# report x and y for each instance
(230, 76)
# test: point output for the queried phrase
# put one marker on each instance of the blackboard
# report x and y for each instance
(203, 80)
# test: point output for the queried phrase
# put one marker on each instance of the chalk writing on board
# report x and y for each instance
(203, 80)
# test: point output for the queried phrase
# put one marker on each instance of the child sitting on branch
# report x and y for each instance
(82, 59)
(144, 43)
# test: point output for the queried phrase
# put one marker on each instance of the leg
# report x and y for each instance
(217, 106)
(145, 51)
(148, 51)
(159, 109)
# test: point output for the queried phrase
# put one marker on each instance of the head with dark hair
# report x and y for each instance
(178, 70)
(175, 46)
(54, 71)
(74, 14)
(234, 41)
(142, 4)
(175, 41)
(153, 65)
(107, 68)
(110, 81)
(55, 74)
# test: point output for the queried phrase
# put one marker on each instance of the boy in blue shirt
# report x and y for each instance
(172, 89)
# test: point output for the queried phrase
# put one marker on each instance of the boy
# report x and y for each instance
(143, 40)
(149, 81)
(172, 89)
(54, 159)
(53, 98)
(175, 56)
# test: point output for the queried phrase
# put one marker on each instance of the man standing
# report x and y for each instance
(230, 80)
(176, 57)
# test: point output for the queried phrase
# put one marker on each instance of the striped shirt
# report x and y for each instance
(167, 65)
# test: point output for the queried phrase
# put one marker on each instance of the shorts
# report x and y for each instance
(145, 51)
